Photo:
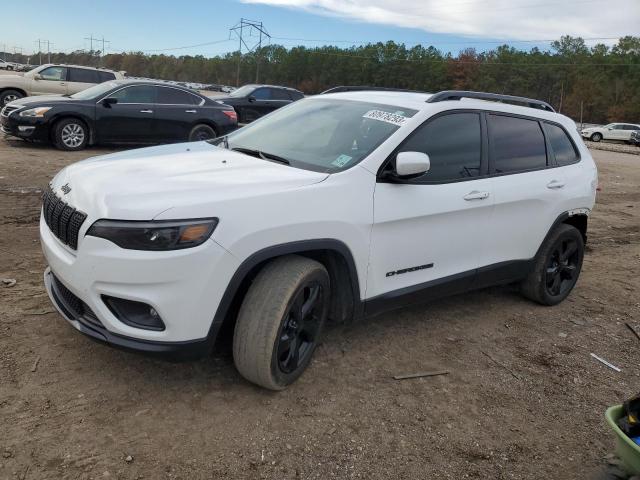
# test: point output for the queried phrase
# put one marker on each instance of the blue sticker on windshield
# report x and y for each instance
(341, 161)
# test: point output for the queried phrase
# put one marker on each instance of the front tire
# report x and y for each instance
(9, 96)
(596, 137)
(280, 321)
(70, 134)
(201, 132)
(557, 267)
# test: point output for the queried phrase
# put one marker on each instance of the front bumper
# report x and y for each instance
(185, 287)
(33, 129)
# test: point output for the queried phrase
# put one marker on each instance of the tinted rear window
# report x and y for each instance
(517, 144)
(562, 146)
(173, 96)
(277, 94)
(83, 75)
(106, 76)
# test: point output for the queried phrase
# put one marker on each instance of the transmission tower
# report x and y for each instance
(250, 34)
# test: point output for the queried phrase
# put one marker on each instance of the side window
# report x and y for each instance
(618, 126)
(106, 76)
(278, 94)
(137, 94)
(517, 144)
(563, 148)
(58, 74)
(454, 145)
(261, 94)
(631, 127)
(83, 75)
(173, 96)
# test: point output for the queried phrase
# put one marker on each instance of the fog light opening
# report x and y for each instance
(134, 314)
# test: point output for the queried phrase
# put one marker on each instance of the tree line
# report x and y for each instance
(601, 83)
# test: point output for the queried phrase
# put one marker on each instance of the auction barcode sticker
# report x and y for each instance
(388, 117)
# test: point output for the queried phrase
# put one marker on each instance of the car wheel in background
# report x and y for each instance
(596, 137)
(202, 132)
(70, 134)
(9, 96)
(557, 267)
(280, 321)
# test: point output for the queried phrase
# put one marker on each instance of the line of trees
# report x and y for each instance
(602, 82)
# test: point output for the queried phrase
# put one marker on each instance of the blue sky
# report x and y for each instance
(449, 25)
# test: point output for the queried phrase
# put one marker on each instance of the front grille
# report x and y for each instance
(63, 220)
(7, 110)
(77, 308)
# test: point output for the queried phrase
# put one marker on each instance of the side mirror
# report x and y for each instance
(107, 102)
(411, 164)
(252, 99)
(37, 76)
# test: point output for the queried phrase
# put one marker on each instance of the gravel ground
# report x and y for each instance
(523, 400)
(614, 147)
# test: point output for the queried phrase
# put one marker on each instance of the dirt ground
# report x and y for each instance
(523, 400)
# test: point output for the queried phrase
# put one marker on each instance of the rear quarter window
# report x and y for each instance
(563, 148)
(106, 76)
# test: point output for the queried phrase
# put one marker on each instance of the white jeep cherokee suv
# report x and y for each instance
(337, 206)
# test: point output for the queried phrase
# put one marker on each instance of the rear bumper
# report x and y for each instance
(90, 326)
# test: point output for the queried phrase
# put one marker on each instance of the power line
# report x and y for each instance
(467, 42)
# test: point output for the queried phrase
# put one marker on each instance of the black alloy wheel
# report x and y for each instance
(300, 327)
(562, 268)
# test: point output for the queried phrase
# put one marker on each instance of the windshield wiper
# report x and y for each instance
(262, 155)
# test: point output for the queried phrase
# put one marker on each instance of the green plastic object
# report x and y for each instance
(626, 448)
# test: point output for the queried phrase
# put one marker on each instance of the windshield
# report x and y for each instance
(325, 135)
(242, 91)
(95, 91)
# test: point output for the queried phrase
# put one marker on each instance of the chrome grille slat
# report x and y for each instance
(63, 220)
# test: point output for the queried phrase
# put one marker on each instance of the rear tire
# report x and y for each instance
(596, 137)
(9, 96)
(280, 321)
(70, 134)
(202, 132)
(557, 267)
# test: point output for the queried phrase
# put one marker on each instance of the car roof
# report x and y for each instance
(157, 83)
(418, 101)
(101, 69)
(260, 85)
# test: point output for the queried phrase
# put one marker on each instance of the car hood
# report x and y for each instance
(41, 100)
(140, 184)
(11, 79)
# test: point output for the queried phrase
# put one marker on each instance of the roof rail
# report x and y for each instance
(496, 97)
(360, 88)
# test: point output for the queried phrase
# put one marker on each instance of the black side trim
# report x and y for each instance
(497, 274)
(276, 251)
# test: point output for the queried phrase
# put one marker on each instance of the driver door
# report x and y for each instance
(427, 231)
(131, 119)
(51, 81)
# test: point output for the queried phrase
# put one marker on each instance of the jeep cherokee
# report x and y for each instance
(338, 206)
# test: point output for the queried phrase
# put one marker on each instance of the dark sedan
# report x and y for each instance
(125, 111)
(253, 101)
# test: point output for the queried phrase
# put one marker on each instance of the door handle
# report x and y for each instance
(146, 111)
(62, 84)
(476, 195)
(190, 111)
(553, 184)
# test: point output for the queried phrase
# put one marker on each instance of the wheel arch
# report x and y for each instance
(577, 218)
(17, 89)
(205, 121)
(333, 254)
(84, 119)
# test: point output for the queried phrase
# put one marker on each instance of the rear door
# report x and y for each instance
(51, 81)
(428, 230)
(528, 190)
(80, 79)
(176, 112)
(279, 98)
(131, 119)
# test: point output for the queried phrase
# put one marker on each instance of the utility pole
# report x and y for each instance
(243, 30)
(40, 43)
(49, 44)
(91, 40)
(4, 51)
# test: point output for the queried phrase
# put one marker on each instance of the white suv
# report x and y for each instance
(337, 206)
(613, 131)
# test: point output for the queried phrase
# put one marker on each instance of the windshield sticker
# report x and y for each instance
(341, 161)
(388, 117)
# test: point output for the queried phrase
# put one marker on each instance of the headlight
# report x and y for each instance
(35, 112)
(155, 235)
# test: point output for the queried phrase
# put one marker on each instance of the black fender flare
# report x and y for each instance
(261, 256)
